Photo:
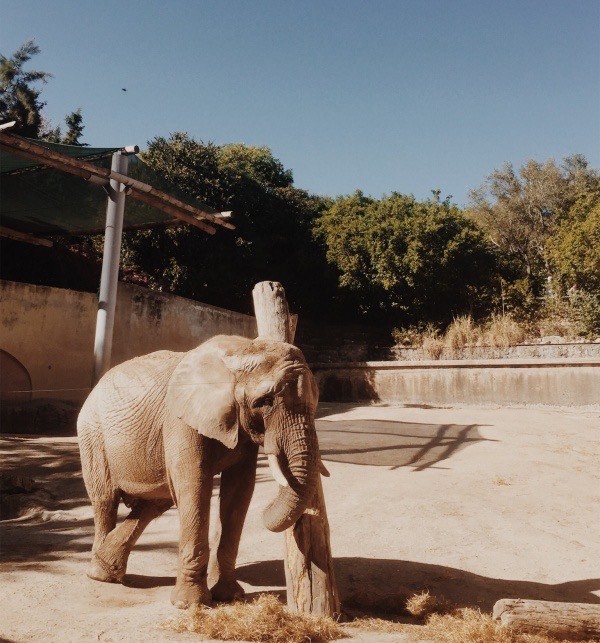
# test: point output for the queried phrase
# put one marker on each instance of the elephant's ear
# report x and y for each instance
(201, 394)
(307, 386)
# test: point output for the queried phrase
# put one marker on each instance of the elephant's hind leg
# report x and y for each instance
(109, 561)
(105, 519)
(97, 479)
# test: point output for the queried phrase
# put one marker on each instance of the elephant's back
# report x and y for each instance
(130, 408)
(139, 377)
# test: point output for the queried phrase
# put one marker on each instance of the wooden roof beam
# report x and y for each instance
(9, 233)
(192, 215)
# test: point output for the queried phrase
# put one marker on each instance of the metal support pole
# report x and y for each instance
(105, 320)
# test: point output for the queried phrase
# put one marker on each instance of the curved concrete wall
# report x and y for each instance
(574, 382)
(50, 331)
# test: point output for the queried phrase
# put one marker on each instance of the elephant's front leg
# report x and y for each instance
(191, 483)
(237, 486)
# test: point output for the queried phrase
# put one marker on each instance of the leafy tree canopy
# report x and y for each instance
(19, 97)
(574, 251)
(273, 219)
(75, 127)
(520, 210)
(257, 163)
(411, 260)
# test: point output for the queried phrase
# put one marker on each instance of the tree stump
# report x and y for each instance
(573, 621)
(309, 573)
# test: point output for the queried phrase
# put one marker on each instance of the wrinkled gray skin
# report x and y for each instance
(156, 430)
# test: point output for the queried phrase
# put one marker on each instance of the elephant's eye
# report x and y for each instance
(265, 400)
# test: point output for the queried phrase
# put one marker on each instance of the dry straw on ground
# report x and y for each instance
(471, 626)
(463, 626)
(424, 604)
(265, 619)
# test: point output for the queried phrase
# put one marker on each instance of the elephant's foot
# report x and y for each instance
(186, 594)
(102, 571)
(227, 590)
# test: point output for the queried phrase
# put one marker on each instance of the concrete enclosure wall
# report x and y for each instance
(504, 382)
(50, 332)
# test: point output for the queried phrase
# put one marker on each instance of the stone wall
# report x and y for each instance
(573, 382)
(48, 333)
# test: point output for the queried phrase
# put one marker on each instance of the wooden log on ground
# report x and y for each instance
(572, 621)
(309, 573)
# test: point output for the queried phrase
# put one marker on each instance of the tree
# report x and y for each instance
(272, 240)
(19, 98)
(521, 210)
(75, 127)
(408, 260)
(574, 251)
(257, 163)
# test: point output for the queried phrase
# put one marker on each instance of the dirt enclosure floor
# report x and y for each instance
(471, 504)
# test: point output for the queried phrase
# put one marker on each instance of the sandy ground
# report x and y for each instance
(472, 504)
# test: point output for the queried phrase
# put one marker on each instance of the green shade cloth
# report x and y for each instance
(12, 163)
(42, 201)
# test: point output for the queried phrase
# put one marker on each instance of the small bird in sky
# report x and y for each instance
(123, 89)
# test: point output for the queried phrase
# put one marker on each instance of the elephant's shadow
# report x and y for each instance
(373, 586)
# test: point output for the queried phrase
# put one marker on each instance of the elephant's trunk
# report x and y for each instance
(296, 447)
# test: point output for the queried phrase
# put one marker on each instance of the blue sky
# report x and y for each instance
(381, 95)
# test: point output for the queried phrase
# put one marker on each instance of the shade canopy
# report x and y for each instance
(11, 163)
(43, 194)
(44, 201)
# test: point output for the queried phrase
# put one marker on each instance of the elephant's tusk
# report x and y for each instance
(323, 469)
(276, 471)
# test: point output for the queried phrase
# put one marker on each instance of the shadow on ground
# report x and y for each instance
(39, 474)
(54, 470)
(40, 487)
(393, 444)
(381, 586)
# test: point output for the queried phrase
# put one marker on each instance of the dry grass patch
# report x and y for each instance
(471, 626)
(265, 619)
(433, 346)
(461, 333)
(502, 331)
(424, 604)
(462, 626)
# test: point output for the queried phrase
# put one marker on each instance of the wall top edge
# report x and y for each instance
(5, 283)
(459, 363)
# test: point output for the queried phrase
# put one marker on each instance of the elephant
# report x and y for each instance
(156, 429)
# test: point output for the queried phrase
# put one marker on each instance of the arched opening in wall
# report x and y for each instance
(15, 381)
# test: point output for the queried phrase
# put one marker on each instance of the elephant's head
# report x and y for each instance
(264, 387)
